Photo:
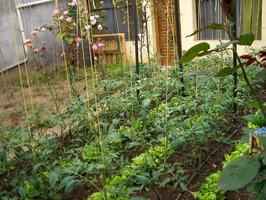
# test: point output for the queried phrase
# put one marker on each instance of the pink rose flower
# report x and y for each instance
(28, 43)
(62, 56)
(78, 39)
(100, 27)
(56, 12)
(87, 27)
(94, 48)
(100, 45)
(69, 19)
(34, 33)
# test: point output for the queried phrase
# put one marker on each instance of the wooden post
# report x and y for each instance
(135, 6)
(179, 42)
(234, 35)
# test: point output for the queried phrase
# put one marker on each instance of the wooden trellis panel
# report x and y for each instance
(114, 51)
(166, 36)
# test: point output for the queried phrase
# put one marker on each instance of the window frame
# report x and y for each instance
(195, 22)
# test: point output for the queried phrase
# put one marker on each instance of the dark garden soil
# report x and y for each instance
(211, 161)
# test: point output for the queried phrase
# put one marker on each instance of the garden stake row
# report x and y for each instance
(27, 78)
(234, 35)
(92, 66)
(129, 64)
(83, 56)
(20, 72)
(147, 34)
(118, 31)
(167, 74)
(173, 31)
(77, 34)
(64, 54)
(28, 26)
(179, 43)
(80, 22)
(128, 22)
(205, 161)
(135, 7)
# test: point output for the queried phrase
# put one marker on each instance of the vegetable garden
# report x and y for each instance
(135, 131)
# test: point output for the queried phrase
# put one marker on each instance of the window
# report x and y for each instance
(116, 18)
(248, 17)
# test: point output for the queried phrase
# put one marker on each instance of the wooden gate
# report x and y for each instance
(114, 50)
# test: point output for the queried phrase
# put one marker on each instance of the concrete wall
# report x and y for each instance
(188, 25)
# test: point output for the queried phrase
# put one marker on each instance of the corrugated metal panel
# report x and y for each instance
(36, 16)
(13, 33)
(11, 48)
(117, 24)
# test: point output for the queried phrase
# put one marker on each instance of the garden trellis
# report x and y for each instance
(149, 122)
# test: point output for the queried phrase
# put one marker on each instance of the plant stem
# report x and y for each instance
(252, 91)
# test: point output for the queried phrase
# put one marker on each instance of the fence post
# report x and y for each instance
(179, 42)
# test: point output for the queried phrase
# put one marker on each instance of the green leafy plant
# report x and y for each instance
(251, 167)
(209, 189)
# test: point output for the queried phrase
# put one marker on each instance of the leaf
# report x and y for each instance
(205, 53)
(213, 26)
(68, 184)
(144, 180)
(3, 155)
(137, 198)
(250, 59)
(256, 119)
(224, 45)
(246, 39)
(71, 185)
(53, 178)
(183, 186)
(179, 142)
(195, 51)
(146, 102)
(239, 173)
(262, 193)
(165, 182)
(226, 71)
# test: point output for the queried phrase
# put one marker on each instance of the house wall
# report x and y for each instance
(188, 26)
(130, 45)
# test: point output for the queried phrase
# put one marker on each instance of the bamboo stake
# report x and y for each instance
(64, 53)
(100, 136)
(136, 44)
(84, 60)
(118, 31)
(20, 71)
